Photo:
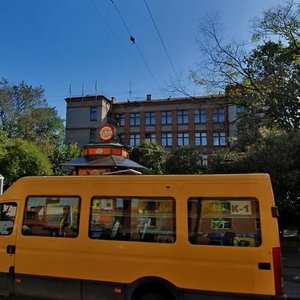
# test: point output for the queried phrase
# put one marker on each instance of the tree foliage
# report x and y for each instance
(263, 75)
(277, 154)
(25, 114)
(186, 160)
(31, 133)
(22, 158)
(150, 155)
(64, 153)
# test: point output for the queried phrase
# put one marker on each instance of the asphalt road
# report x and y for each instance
(291, 268)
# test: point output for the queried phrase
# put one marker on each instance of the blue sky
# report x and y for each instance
(61, 43)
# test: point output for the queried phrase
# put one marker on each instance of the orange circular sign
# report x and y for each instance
(106, 132)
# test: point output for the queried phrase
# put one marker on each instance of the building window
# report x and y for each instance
(221, 223)
(121, 120)
(166, 139)
(204, 160)
(166, 118)
(93, 135)
(150, 137)
(134, 119)
(182, 138)
(150, 118)
(200, 138)
(134, 139)
(93, 113)
(182, 117)
(240, 109)
(200, 116)
(219, 139)
(218, 115)
(121, 138)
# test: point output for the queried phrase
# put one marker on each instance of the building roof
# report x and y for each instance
(107, 161)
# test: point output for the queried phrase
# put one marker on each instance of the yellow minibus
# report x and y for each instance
(148, 237)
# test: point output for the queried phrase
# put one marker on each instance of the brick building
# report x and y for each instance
(205, 121)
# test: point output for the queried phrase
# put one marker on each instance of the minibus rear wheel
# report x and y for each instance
(155, 295)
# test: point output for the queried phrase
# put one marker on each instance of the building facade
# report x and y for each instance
(173, 122)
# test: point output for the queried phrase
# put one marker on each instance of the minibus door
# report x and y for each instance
(7, 245)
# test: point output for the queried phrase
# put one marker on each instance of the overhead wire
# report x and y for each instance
(104, 20)
(161, 40)
(133, 40)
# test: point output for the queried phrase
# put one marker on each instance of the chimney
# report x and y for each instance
(149, 97)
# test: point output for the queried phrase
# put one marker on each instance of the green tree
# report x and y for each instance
(64, 153)
(277, 154)
(262, 77)
(186, 160)
(150, 155)
(25, 114)
(43, 126)
(22, 158)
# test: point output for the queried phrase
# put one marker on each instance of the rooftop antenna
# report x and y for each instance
(82, 91)
(96, 89)
(70, 92)
(130, 91)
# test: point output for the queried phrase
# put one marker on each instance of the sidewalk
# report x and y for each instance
(291, 268)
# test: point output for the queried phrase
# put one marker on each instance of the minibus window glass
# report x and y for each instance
(7, 217)
(51, 216)
(224, 222)
(133, 219)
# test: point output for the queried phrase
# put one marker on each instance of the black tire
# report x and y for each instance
(154, 296)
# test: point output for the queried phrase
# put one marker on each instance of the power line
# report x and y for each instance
(116, 38)
(161, 40)
(121, 17)
(132, 39)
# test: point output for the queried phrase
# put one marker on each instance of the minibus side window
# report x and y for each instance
(224, 222)
(133, 219)
(7, 217)
(51, 216)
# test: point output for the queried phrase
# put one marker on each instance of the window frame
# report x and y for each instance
(121, 120)
(224, 221)
(111, 221)
(200, 140)
(200, 116)
(218, 115)
(53, 231)
(135, 119)
(182, 117)
(150, 137)
(150, 118)
(93, 113)
(219, 139)
(134, 139)
(8, 220)
(183, 139)
(167, 139)
(166, 118)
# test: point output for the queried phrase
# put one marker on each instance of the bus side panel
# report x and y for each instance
(93, 290)
(196, 295)
(47, 287)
